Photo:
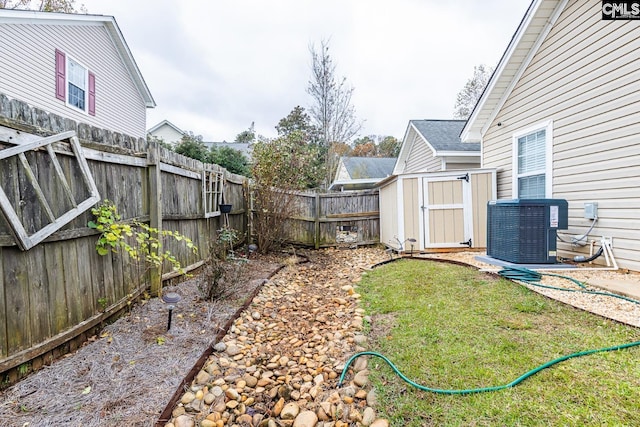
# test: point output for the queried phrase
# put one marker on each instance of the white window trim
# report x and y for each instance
(86, 82)
(547, 126)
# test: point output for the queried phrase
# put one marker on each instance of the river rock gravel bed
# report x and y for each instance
(279, 364)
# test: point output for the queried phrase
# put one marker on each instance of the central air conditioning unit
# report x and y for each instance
(523, 231)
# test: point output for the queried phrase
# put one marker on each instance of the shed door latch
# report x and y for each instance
(467, 243)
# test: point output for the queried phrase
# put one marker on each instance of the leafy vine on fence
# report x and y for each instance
(145, 240)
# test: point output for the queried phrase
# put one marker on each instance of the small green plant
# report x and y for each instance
(116, 235)
(227, 238)
(102, 302)
(24, 369)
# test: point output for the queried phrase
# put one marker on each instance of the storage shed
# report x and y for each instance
(437, 210)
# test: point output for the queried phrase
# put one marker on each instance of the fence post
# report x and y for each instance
(316, 238)
(248, 218)
(155, 212)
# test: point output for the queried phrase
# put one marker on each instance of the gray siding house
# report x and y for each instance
(560, 118)
(76, 66)
(361, 173)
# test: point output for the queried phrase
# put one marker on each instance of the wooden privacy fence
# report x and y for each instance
(324, 219)
(54, 287)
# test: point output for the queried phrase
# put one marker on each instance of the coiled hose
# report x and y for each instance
(533, 278)
(514, 273)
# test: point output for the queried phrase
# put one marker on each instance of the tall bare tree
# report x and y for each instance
(66, 6)
(471, 92)
(331, 110)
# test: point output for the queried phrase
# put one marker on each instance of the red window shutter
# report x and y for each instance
(92, 94)
(61, 81)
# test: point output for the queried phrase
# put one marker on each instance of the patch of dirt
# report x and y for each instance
(381, 326)
(127, 374)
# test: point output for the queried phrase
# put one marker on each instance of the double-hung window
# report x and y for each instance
(532, 163)
(75, 84)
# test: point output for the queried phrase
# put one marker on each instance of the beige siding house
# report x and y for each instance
(434, 146)
(76, 66)
(560, 118)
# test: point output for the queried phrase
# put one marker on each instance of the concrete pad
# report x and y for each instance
(500, 263)
(628, 288)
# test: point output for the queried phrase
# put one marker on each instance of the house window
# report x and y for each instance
(75, 84)
(532, 163)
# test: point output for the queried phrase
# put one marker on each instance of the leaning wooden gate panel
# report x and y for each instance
(41, 197)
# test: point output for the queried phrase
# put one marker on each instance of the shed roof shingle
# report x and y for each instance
(444, 135)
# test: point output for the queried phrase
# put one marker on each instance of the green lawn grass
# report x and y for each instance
(451, 327)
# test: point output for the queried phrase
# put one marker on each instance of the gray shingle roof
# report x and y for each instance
(369, 167)
(444, 135)
(243, 147)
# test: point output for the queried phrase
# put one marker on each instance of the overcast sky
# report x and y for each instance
(216, 66)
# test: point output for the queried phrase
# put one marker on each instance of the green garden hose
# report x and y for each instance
(482, 389)
(531, 277)
(515, 273)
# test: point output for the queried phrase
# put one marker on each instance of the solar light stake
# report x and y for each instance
(170, 298)
(412, 241)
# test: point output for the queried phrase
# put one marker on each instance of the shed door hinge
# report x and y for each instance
(467, 243)
(465, 177)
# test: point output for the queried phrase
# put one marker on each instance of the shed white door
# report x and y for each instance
(446, 212)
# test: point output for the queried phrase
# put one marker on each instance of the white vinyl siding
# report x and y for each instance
(342, 174)
(27, 67)
(167, 134)
(389, 210)
(586, 79)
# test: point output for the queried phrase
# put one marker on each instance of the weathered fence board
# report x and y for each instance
(57, 309)
(317, 217)
(3, 310)
(17, 300)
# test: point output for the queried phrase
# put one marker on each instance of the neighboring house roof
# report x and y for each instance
(11, 16)
(369, 167)
(355, 173)
(532, 31)
(165, 123)
(243, 147)
(441, 136)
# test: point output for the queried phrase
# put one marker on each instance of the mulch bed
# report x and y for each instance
(128, 373)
